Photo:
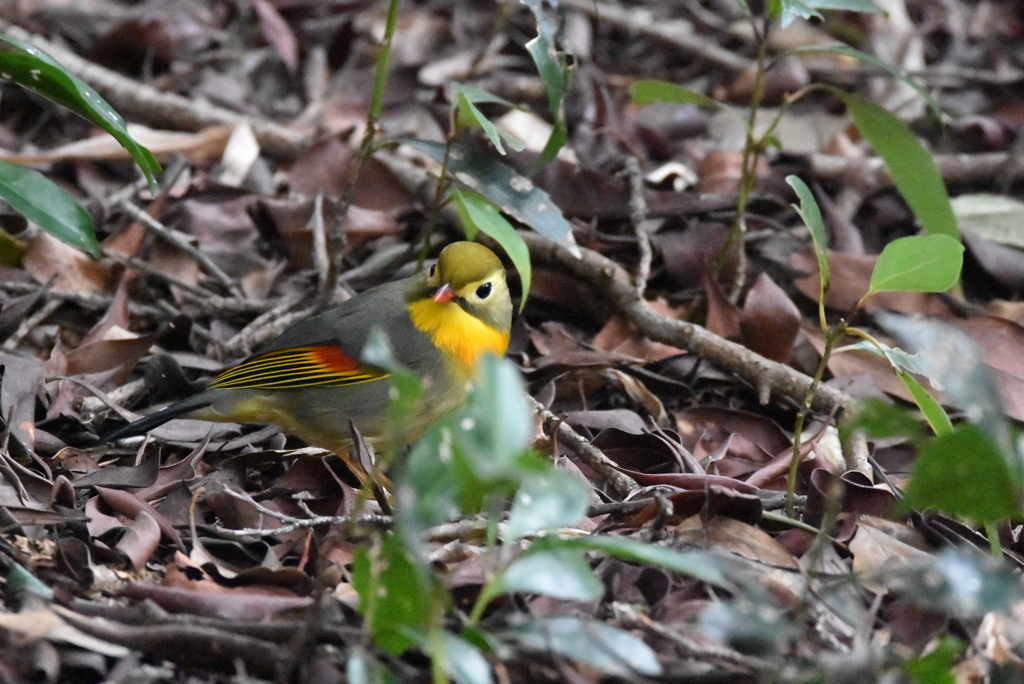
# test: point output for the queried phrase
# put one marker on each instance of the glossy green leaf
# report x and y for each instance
(479, 213)
(561, 573)
(34, 69)
(46, 204)
(964, 474)
(933, 412)
(463, 662)
(547, 501)
(515, 195)
(811, 215)
(918, 263)
(607, 649)
(911, 166)
(554, 74)
(649, 91)
(465, 100)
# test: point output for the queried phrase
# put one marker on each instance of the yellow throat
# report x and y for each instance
(460, 335)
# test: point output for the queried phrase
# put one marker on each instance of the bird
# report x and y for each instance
(311, 380)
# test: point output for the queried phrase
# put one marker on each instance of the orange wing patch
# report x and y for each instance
(320, 366)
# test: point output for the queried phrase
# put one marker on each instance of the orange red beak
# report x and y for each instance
(445, 294)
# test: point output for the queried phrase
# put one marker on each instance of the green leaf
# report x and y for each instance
(933, 412)
(465, 100)
(32, 68)
(647, 92)
(937, 666)
(561, 573)
(546, 501)
(479, 213)
(12, 250)
(396, 596)
(964, 474)
(811, 215)
(463, 661)
(808, 8)
(894, 70)
(912, 169)
(554, 72)
(994, 217)
(602, 647)
(956, 365)
(46, 204)
(917, 263)
(697, 564)
(879, 419)
(20, 583)
(903, 365)
(900, 359)
(791, 9)
(495, 426)
(514, 194)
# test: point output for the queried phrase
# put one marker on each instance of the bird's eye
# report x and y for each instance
(433, 269)
(483, 291)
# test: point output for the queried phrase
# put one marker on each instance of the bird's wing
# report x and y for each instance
(322, 365)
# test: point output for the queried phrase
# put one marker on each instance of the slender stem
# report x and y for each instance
(441, 189)
(992, 530)
(801, 417)
(752, 151)
(336, 235)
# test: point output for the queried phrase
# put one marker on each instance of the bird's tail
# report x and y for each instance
(153, 420)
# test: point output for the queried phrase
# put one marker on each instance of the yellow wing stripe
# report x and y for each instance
(318, 366)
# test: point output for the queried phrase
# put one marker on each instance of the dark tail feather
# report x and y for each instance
(154, 420)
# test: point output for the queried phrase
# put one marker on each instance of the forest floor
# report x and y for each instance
(668, 363)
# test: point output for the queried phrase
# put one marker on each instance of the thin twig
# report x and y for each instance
(604, 466)
(181, 242)
(637, 217)
(292, 523)
(30, 323)
(629, 616)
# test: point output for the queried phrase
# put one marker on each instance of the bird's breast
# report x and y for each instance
(455, 332)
